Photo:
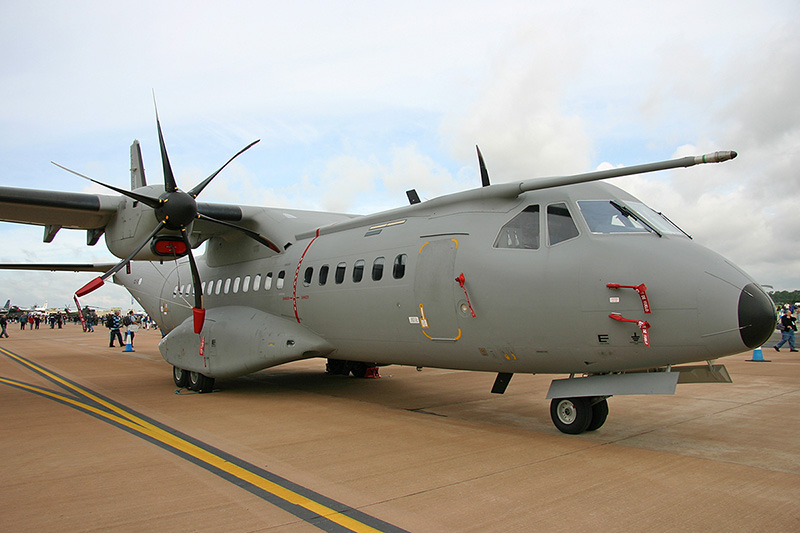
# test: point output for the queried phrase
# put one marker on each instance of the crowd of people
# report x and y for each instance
(130, 323)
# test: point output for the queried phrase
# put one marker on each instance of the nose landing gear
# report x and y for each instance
(576, 415)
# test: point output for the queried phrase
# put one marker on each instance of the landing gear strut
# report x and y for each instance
(576, 415)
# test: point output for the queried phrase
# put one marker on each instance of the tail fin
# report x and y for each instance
(8, 305)
(137, 167)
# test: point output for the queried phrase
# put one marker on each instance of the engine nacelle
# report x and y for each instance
(131, 225)
(239, 340)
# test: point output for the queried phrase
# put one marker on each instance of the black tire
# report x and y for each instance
(337, 367)
(358, 369)
(599, 415)
(571, 415)
(180, 376)
(200, 383)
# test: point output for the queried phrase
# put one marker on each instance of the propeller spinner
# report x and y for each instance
(175, 210)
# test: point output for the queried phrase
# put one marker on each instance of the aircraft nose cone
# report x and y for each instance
(756, 316)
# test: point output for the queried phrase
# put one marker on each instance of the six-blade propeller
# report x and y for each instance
(175, 210)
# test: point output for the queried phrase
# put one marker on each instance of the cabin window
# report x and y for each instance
(358, 270)
(339, 275)
(227, 285)
(219, 287)
(399, 267)
(308, 276)
(246, 284)
(210, 288)
(377, 268)
(203, 288)
(560, 226)
(281, 277)
(521, 232)
(323, 274)
(175, 291)
(237, 282)
(268, 281)
(256, 282)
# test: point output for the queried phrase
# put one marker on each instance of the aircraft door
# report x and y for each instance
(434, 289)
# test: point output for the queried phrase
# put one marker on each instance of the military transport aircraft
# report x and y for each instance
(561, 275)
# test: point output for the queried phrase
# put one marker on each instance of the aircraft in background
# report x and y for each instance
(559, 275)
(13, 309)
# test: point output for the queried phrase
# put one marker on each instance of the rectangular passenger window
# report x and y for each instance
(246, 284)
(281, 277)
(236, 283)
(358, 270)
(308, 276)
(560, 226)
(257, 282)
(268, 281)
(339, 275)
(377, 269)
(521, 232)
(399, 267)
(323, 274)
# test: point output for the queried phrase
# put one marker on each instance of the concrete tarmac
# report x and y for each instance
(422, 451)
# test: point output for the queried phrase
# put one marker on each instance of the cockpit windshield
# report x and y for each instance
(610, 216)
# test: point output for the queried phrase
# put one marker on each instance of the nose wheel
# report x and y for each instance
(576, 415)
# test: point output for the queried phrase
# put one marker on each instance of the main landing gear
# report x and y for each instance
(357, 368)
(192, 380)
(576, 415)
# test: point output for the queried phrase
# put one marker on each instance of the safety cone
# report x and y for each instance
(128, 340)
(758, 356)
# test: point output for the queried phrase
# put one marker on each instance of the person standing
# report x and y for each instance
(3, 324)
(114, 324)
(131, 325)
(788, 327)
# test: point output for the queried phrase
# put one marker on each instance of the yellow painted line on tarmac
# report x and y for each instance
(118, 415)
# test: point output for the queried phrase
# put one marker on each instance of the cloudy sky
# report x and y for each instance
(355, 102)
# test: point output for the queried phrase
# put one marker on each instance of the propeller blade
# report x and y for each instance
(250, 233)
(198, 290)
(484, 172)
(146, 200)
(98, 282)
(202, 185)
(198, 312)
(169, 177)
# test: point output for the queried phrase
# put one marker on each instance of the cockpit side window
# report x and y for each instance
(560, 226)
(521, 232)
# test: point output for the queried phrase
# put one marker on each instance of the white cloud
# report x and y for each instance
(357, 103)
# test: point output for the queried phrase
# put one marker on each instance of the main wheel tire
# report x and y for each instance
(337, 367)
(571, 415)
(599, 415)
(180, 376)
(200, 383)
(358, 369)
